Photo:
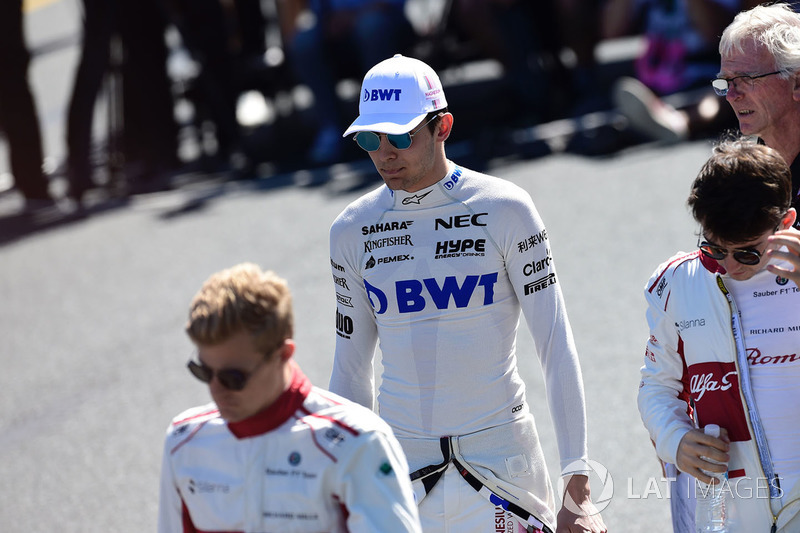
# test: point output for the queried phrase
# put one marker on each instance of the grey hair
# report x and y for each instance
(776, 27)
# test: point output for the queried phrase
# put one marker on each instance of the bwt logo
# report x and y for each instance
(413, 295)
(382, 94)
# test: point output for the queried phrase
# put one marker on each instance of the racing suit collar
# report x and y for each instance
(711, 264)
(432, 196)
(277, 413)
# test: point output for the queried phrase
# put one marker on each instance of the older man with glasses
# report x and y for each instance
(273, 452)
(760, 78)
(723, 346)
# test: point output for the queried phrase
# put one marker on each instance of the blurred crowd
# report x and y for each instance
(178, 73)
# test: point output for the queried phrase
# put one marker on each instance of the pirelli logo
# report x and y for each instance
(540, 284)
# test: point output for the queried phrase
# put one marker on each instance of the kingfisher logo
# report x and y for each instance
(382, 95)
(413, 295)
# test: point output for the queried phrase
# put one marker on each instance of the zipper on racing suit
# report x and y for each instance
(747, 397)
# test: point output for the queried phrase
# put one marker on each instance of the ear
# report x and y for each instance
(796, 87)
(288, 349)
(789, 218)
(445, 127)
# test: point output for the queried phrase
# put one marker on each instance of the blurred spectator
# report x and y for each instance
(18, 116)
(574, 26)
(149, 136)
(328, 40)
(207, 28)
(681, 40)
(512, 32)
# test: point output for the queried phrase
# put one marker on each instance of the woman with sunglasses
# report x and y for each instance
(273, 452)
(724, 338)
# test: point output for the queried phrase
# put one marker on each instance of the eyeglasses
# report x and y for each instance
(231, 378)
(371, 141)
(746, 256)
(723, 85)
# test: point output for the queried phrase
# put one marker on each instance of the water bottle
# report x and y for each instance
(710, 513)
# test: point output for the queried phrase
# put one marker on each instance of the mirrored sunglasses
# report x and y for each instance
(745, 256)
(371, 140)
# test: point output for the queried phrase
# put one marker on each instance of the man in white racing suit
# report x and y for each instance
(436, 265)
(724, 338)
(273, 453)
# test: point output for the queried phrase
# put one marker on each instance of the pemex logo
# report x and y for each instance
(606, 488)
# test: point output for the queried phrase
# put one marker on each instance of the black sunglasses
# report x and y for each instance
(371, 141)
(746, 256)
(231, 378)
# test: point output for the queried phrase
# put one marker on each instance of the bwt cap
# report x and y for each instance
(396, 94)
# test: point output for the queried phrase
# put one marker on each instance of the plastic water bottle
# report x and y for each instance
(710, 512)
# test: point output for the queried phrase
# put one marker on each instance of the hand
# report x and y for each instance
(578, 514)
(790, 238)
(695, 444)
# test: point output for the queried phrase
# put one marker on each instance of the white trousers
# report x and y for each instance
(452, 506)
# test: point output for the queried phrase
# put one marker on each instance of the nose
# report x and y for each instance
(385, 149)
(733, 91)
(730, 264)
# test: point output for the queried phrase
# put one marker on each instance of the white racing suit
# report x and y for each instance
(696, 366)
(311, 462)
(440, 276)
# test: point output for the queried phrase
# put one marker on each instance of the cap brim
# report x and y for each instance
(392, 123)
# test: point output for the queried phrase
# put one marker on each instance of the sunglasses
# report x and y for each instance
(746, 256)
(231, 378)
(371, 141)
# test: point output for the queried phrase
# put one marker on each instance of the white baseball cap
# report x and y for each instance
(396, 94)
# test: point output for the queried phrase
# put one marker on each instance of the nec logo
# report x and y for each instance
(460, 221)
(413, 295)
(382, 95)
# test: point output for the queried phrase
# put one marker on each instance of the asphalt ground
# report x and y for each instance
(92, 312)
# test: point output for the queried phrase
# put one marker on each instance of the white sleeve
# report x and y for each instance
(356, 331)
(376, 487)
(662, 399)
(170, 504)
(531, 269)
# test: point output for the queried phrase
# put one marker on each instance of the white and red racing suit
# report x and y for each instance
(439, 276)
(698, 369)
(311, 462)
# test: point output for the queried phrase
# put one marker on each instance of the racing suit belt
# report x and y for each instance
(504, 464)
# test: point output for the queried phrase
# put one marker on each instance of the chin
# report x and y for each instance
(742, 276)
